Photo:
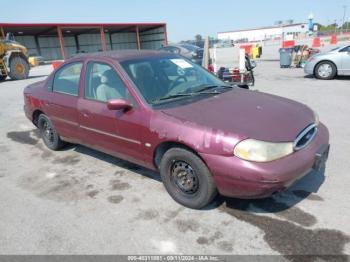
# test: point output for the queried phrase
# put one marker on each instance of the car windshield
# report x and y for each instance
(162, 79)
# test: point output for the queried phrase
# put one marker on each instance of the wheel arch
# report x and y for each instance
(326, 60)
(17, 54)
(35, 116)
(163, 147)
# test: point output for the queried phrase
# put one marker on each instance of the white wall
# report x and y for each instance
(152, 39)
(29, 43)
(262, 33)
(124, 41)
(50, 46)
(252, 35)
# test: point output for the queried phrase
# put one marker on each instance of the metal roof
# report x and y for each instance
(74, 28)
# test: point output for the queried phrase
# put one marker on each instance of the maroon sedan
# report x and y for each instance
(166, 113)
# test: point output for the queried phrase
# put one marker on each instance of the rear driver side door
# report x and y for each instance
(61, 105)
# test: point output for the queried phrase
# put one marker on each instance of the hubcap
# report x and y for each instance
(20, 68)
(184, 177)
(48, 132)
(325, 70)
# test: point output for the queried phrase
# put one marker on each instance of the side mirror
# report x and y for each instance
(118, 104)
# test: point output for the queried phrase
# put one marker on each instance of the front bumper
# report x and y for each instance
(239, 178)
(309, 68)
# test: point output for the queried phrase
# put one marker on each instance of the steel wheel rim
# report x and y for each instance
(48, 133)
(20, 68)
(325, 70)
(184, 177)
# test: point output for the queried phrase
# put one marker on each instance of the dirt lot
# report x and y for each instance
(79, 201)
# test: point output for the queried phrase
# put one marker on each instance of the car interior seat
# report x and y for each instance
(146, 82)
(110, 87)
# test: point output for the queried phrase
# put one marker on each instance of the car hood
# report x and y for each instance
(249, 114)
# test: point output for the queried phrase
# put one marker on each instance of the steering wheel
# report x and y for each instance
(175, 83)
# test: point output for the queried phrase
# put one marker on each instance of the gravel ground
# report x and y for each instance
(80, 201)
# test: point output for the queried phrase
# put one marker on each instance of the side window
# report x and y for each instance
(102, 83)
(346, 49)
(67, 79)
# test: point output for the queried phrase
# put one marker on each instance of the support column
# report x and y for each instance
(103, 38)
(61, 40)
(76, 40)
(37, 44)
(110, 40)
(2, 32)
(165, 36)
(138, 43)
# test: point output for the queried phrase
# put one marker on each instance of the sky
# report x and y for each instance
(184, 18)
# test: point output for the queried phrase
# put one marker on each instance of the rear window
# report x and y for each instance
(67, 79)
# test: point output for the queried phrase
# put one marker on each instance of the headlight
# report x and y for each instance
(261, 151)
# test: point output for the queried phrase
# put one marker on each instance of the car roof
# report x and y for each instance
(122, 55)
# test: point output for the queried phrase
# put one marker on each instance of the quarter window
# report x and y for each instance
(67, 79)
(102, 83)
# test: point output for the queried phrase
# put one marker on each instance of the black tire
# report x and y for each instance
(325, 74)
(19, 68)
(244, 86)
(2, 78)
(179, 165)
(49, 134)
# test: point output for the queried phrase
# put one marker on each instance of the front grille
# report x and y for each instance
(305, 137)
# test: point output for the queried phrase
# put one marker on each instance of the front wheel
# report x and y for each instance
(186, 178)
(19, 68)
(325, 70)
(49, 134)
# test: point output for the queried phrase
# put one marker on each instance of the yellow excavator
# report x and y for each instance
(13, 59)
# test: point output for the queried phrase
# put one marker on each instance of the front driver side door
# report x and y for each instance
(113, 132)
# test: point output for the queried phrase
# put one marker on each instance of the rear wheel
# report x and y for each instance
(325, 70)
(2, 78)
(19, 68)
(49, 134)
(186, 178)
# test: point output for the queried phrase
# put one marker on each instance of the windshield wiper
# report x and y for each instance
(174, 96)
(207, 87)
(197, 92)
(184, 95)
